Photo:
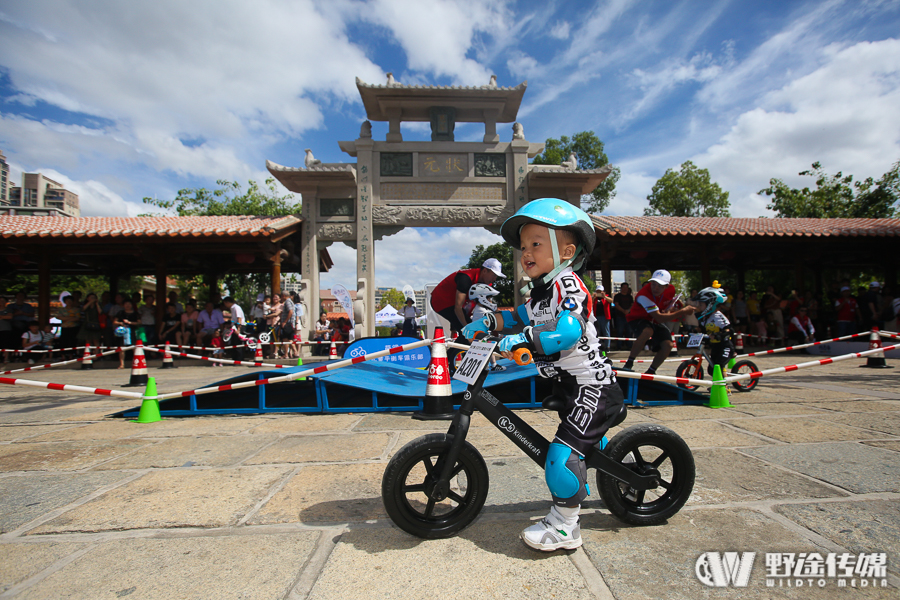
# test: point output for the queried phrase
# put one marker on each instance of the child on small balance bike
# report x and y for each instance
(716, 326)
(557, 326)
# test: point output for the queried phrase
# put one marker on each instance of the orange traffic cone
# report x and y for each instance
(876, 360)
(138, 367)
(258, 357)
(739, 343)
(438, 402)
(332, 354)
(86, 361)
(167, 362)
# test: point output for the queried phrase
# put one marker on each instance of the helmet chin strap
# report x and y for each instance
(558, 266)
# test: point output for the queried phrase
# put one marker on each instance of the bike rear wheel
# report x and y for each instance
(655, 450)
(742, 367)
(408, 484)
(689, 369)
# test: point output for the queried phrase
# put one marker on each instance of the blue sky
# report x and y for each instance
(125, 100)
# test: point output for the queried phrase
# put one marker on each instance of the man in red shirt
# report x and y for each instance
(653, 306)
(847, 313)
(449, 298)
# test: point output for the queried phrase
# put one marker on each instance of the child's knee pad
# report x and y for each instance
(566, 475)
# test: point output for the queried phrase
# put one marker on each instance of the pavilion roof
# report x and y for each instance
(764, 227)
(147, 227)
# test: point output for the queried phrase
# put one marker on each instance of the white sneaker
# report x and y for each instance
(30, 361)
(552, 533)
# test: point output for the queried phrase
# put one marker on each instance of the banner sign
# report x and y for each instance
(343, 297)
(417, 357)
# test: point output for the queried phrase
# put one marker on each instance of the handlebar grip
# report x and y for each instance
(522, 356)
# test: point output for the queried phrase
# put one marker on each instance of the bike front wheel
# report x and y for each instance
(689, 369)
(654, 450)
(408, 485)
(742, 367)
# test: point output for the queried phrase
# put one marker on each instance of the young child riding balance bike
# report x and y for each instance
(557, 326)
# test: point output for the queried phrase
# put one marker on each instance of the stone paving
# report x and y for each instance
(289, 506)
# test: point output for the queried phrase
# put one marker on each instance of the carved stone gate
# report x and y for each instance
(439, 183)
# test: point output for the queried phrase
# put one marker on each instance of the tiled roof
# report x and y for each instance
(763, 227)
(95, 227)
(399, 86)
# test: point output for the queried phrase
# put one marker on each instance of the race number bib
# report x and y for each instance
(695, 340)
(473, 361)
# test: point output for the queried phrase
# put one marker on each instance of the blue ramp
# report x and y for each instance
(366, 387)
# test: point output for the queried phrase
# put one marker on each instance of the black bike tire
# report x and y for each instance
(681, 484)
(694, 365)
(744, 385)
(410, 520)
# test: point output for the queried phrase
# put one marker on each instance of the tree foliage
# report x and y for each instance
(687, 193)
(589, 150)
(227, 200)
(502, 252)
(394, 297)
(837, 196)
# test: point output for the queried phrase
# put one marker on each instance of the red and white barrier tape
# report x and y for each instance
(69, 388)
(889, 334)
(806, 365)
(52, 350)
(298, 375)
(217, 360)
(65, 362)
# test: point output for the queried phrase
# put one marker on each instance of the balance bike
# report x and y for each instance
(437, 484)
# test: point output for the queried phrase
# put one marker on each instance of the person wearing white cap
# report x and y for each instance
(652, 307)
(450, 296)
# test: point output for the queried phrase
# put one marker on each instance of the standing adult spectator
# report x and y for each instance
(70, 322)
(208, 322)
(621, 305)
(409, 313)
(870, 306)
(272, 319)
(603, 314)
(7, 337)
(237, 314)
(23, 314)
(891, 318)
(741, 316)
(186, 331)
(126, 324)
(651, 310)
(286, 323)
(771, 309)
(173, 298)
(258, 314)
(847, 313)
(449, 298)
(91, 329)
(148, 318)
(115, 307)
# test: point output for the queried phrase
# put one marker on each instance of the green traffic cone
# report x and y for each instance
(300, 364)
(718, 394)
(150, 405)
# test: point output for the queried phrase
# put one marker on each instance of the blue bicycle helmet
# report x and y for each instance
(554, 214)
(712, 297)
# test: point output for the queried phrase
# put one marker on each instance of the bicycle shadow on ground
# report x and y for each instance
(496, 530)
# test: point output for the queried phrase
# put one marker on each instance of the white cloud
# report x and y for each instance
(843, 114)
(560, 31)
(415, 256)
(95, 199)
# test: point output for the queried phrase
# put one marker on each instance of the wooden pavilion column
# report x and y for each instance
(606, 267)
(276, 273)
(799, 283)
(113, 286)
(705, 277)
(44, 289)
(160, 290)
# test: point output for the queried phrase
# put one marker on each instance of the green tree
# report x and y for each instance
(394, 297)
(687, 193)
(837, 196)
(502, 252)
(230, 199)
(589, 150)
